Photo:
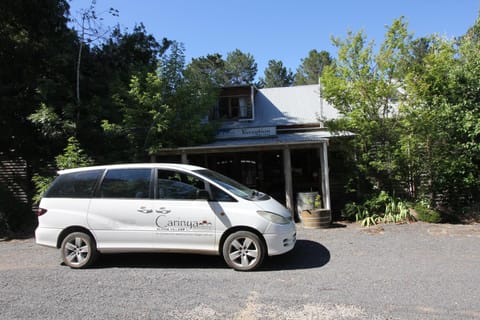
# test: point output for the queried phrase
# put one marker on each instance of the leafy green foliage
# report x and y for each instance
(426, 214)
(208, 70)
(362, 86)
(144, 116)
(73, 156)
(276, 75)
(381, 208)
(413, 107)
(49, 122)
(32, 71)
(312, 67)
(240, 68)
(15, 216)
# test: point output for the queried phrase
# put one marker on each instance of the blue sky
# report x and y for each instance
(282, 30)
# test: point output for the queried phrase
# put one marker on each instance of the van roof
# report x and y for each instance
(133, 166)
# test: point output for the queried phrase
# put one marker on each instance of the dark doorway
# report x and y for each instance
(258, 170)
(306, 174)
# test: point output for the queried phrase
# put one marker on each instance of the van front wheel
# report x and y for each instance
(243, 251)
(78, 250)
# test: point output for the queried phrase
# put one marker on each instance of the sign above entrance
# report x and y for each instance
(256, 132)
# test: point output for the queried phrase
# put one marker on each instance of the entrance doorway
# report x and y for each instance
(258, 170)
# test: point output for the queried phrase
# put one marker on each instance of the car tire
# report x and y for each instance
(78, 250)
(243, 251)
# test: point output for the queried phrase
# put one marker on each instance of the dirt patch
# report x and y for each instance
(374, 230)
(471, 230)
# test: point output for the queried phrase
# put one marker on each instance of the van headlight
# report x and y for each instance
(273, 217)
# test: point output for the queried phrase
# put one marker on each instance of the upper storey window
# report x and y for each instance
(235, 103)
(233, 108)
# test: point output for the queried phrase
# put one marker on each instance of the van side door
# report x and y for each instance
(121, 214)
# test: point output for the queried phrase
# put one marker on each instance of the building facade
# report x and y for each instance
(272, 139)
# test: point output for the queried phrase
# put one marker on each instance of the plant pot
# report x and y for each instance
(316, 218)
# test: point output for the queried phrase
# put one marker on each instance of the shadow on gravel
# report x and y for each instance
(159, 260)
(307, 254)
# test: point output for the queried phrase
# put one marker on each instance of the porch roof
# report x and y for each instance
(280, 141)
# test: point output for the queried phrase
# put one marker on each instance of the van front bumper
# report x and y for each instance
(280, 238)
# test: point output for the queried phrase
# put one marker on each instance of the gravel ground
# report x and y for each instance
(415, 271)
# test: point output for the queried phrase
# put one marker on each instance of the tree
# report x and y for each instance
(442, 121)
(240, 68)
(90, 30)
(424, 140)
(414, 109)
(365, 88)
(312, 67)
(164, 109)
(276, 75)
(191, 93)
(33, 72)
(106, 78)
(209, 70)
(145, 117)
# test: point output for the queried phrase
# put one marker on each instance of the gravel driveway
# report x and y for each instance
(415, 271)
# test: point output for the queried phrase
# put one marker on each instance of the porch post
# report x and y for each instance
(287, 172)
(184, 157)
(325, 178)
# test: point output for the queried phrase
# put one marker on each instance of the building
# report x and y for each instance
(273, 140)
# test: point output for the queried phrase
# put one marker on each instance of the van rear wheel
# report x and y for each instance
(78, 250)
(243, 251)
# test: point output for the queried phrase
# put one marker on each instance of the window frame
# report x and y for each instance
(249, 108)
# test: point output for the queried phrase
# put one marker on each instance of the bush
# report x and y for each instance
(72, 157)
(381, 208)
(426, 214)
(15, 216)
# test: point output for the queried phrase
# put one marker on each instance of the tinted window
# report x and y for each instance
(126, 183)
(74, 185)
(178, 185)
(220, 195)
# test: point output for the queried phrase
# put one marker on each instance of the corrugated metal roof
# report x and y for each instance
(288, 106)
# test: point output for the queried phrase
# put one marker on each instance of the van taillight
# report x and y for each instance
(41, 211)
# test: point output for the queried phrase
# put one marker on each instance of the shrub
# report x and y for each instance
(15, 216)
(72, 157)
(378, 209)
(426, 214)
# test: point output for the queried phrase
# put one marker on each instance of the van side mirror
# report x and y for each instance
(203, 195)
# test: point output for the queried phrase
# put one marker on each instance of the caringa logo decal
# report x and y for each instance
(163, 223)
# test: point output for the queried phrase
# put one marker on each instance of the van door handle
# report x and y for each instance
(144, 210)
(162, 210)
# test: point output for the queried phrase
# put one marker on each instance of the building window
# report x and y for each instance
(234, 108)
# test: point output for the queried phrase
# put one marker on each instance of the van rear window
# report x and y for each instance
(126, 184)
(74, 185)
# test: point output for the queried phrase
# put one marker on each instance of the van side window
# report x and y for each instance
(220, 195)
(74, 185)
(178, 185)
(126, 184)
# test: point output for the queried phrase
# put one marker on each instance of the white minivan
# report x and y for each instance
(159, 207)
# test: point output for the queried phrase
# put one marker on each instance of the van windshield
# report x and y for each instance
(233, 186)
